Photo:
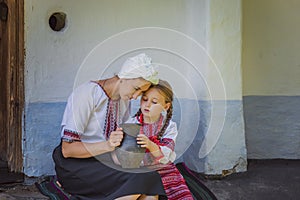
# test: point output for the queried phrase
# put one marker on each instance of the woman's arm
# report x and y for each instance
(85, 150)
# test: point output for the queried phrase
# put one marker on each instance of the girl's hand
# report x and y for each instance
(145, 142)
(115, 138)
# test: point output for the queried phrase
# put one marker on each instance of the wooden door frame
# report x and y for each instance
(13, 39)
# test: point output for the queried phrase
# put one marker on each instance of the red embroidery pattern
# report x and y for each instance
(70, 136)
(168, 142)
(154, 139)
(174, 184)
(112, 117)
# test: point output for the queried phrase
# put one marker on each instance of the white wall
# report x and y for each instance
(225, 40)
(196, 44)
(53, 58)
(224, 46)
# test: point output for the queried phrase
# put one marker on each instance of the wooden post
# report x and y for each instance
(12, 63)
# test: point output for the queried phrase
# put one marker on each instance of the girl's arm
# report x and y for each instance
(145, 142)
(162, 151)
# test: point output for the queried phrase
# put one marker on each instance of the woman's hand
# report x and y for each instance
(115, 138)
(145, 142)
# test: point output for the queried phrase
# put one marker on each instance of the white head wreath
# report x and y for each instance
(139, 66)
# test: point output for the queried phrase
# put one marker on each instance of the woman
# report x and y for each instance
(90, 133)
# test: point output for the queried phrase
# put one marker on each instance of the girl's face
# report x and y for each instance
(152, 105)
(132, 88)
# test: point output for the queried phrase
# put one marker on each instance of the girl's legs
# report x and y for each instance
(129, 197)
(145, 197)
(139, 197)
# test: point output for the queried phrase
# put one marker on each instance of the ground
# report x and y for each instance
(264, 180)
(20, 192)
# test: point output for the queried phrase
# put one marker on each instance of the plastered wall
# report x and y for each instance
(191, 41)
(54, 58)
(271, 84)
(225, 122)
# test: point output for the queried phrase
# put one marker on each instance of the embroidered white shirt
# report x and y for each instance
(85, 113)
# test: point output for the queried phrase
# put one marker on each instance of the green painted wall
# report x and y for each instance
(271, 47)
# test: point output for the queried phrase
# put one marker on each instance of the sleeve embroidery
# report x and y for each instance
(168, 143)
(70, 136)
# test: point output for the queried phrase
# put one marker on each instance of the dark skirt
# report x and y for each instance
(98, 178)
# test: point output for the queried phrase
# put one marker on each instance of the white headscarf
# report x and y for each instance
(139, 66)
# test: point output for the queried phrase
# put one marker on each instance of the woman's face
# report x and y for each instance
(153, 104)
(132, 88)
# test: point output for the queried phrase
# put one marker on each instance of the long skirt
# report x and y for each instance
(98, 178)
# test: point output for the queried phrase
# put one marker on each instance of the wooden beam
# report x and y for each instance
(15, 83)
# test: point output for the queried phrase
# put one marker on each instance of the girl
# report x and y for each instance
(158, 134)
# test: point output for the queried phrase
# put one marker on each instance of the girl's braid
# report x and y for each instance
(166, 124)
